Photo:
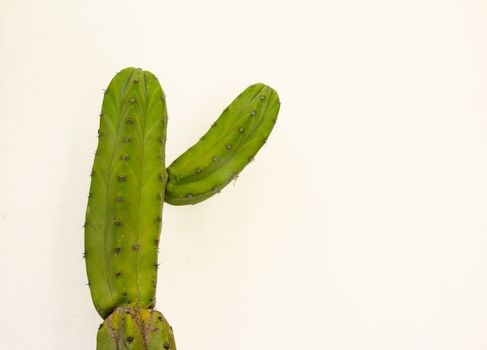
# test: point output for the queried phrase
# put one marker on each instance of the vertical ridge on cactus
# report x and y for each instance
(129, 185)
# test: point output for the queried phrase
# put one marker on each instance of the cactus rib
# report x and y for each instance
(226, 148)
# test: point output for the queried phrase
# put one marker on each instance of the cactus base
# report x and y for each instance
(130, 327)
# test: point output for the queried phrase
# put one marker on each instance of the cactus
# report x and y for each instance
(130, 327)
(130, 183)
(226, 148)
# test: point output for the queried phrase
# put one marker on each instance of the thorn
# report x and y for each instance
(84, 255)
(119, 199)
(252, 113)
(85, 224)
(189, 196)
(228, 146)
(92, 173)
(117, 250)
(124, 157)
(130, 339)
(262, 97)
(241, 130)
(122, 178)
(136, 81)
(159, 219)
(135, 247)
(167, 346)
(118, 274)
(127, 139)
(117, 222)
(132, 100)
(198, 171)
(214, 159)
(129, 121)
(234, 178)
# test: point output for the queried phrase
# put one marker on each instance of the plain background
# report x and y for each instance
(361, 224)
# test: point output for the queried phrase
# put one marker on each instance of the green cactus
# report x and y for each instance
(225, 149)
(130, 183)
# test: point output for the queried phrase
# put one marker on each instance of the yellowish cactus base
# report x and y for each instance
(130, 327)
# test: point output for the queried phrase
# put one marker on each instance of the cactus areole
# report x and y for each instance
(130, 183)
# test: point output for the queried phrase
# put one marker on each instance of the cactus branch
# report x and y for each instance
(226, 148)
(125, 195)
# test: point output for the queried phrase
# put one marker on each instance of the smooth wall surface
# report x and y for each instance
(362, 223)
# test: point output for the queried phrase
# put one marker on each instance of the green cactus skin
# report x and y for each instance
(226, 148)
(132, 328)
(130, 184)
(123, 218)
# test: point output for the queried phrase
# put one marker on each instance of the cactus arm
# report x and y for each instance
(122, 225)
(226, 148)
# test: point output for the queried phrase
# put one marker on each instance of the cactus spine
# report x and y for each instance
(129, 184)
